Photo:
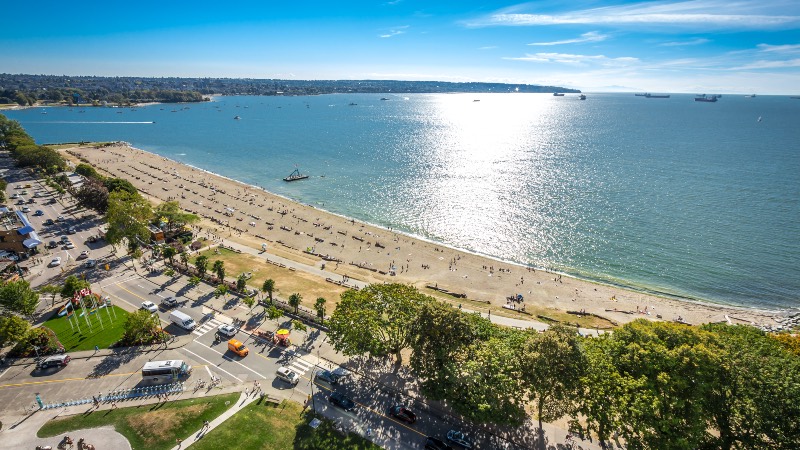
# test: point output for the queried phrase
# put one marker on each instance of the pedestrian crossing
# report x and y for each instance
(300, 366)
(207, 326)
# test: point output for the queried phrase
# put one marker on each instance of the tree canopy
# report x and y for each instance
(127, 216)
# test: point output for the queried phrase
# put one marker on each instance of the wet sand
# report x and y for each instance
(235, 211)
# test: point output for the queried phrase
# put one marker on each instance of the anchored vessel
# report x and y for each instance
(296, 175)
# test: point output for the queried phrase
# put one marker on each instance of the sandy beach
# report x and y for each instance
(248, 215)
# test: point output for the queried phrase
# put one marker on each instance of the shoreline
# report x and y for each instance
(593, 296)
(586, 279)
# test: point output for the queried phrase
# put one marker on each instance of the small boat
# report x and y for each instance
(557, 94)
(582, 97)
(750, 96)
(642, 95)
(236, 118)
(353, 104)
(296, 175)
(705, 98)
(384, 98)
(656, 96)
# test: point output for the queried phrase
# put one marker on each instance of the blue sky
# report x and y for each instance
(660, 46)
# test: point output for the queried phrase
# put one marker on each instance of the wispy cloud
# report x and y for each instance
(791, 48)
(591, 36)
(698, 41)
(393, 2)
(769, 65)
(394, 32)
(487, 47)
(572, 59)
(700, 14)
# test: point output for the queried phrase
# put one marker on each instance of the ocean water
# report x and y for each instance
(671, 196)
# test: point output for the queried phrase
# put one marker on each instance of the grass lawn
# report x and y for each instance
(150, 427)
(278, 427)
(287, 281)
(85, 339)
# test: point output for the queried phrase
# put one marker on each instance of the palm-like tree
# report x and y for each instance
(185, 258)
(294, 301)
(169, 253)
(319, 307)
(201, 264)
(219, 269)
(268, 287)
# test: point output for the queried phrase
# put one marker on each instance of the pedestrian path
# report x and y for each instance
(244, 400)
(207, 326)
(300, 366)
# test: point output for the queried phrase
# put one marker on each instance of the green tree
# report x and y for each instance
(127, 218)
(551, 369)
(241, 283)
(219, 269)
(667, 372)
(319, 307)
(121, 185)
(753, 401)
(12, 329)
(51, 289)
(249, 301)
(139, 327)
(377, 319)
(184, 258)
(173, 216)
(294, 301)
(221, 291)
(87, 171)
(269, 288)
(274, 313)
(201, 264)
(299, 325)
(17, 296)
(169, 253)
(194, 281)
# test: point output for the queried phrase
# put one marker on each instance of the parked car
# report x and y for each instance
(38, 212)
(227, 331)
(342, 401)
(150, 306)
(52, 244)
(403, 414)
(432, 443)
(69, 246)
(458, 439)
(49, 222)
(84, 254)
(31, 201)
(54, 361)
(72, 230)
(26, 210)
(169, 302)
(51, 201)
(55, 262)
(326, 376)
(61, 218)
(90, 263)
(15, 196)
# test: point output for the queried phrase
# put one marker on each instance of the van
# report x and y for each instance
(53, 361)
(182, 320)
(237, 347)
(285, 374)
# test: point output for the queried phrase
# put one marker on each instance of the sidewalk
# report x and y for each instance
(243, 401)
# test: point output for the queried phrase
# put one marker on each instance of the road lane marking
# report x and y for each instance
(233, 361)
(209, 372)
(220, 368)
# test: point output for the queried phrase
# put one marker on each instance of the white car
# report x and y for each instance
(55, 262)
(15, 196)
(226, 330)
(90, 263)
(69, 246)
(150, 306)
(84, 254)
(26, 210)
(285, 374)
(61, 218)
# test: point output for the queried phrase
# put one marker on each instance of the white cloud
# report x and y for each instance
(779, 48)
(567, 58)
(694, 14)
(591, 36)
(769, 65)
(394, 32)
(487, 47)
(698, 41)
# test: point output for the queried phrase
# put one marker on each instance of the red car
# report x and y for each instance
(403, 414)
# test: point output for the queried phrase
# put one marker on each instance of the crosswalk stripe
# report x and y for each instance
(206, 327)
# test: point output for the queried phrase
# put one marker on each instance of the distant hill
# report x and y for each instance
(29, 89)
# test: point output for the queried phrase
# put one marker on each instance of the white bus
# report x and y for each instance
(174, 368)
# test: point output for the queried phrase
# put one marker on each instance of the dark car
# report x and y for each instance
(53, 361)
(458, 439)
(169, 302)
(326, 376)
(49, 222)
(436, 444)
(342, 401)
(403, 414)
